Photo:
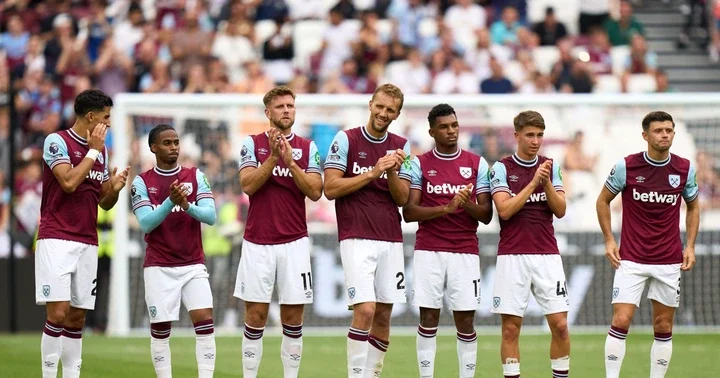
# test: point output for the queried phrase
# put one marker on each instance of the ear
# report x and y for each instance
(645, 135)
(370, 104)
(267, 113)
(152, 148)
(431, 131)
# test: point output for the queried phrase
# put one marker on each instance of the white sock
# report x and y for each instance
(160, 349)
(511, 368)
(376, 356)
(205, 348)
(426, 345)
(660, 354)
(614, 351)
(467, 353)
(51, 349)
(291, 350)
(252, 347)
(71, 355)
(560, 367)
(357, 352)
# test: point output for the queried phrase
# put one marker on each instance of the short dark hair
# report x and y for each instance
(277, 92)
(91, 100)
(156, 131)
(440, 110)
(528, 118)
(657, 116)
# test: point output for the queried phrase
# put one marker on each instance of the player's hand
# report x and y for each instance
(400, 157)
(688, 259)
(274, 139)
(285, 151)
(547, 181)
(96, 139)
(612, 253)
(460, 199)
(178, 194)
(383, 164)
(118, 180)
(542, 174)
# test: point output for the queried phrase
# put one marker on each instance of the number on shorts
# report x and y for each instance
(476, 283)
(307, 280)
(400, 284)
(561, 290)
(94, 290)
(678, 290)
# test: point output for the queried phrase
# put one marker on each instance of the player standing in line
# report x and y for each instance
(651, 250)
(170, 203)
(528, 191)
(75, 181)
(446, 259)
(278, 169)
(363, 173)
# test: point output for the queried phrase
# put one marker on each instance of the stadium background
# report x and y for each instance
(593, 86)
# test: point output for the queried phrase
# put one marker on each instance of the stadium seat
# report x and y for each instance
(607, 84)
(428, 28)
(545, 57)
(641, 83)
(264, 29)
(619, 55)
(308, 38)
(514, 72)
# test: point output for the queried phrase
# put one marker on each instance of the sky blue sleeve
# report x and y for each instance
(337, 156)
(139, 194)
(415, 174)
(147, 217)
(204, 210)
(203, 187)
(482, 185)
(615, 182)
(498, 178)
(106, 170)
(406, 166)
(690, 192)
(314, 162)
(557, 179)
(55, 151)
(247, 154)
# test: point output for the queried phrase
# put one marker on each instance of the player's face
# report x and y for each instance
(167, 147)
(529, 140)
(95, 117)
(660, 135)
(383, 110)
(446, 130)
(281, 112)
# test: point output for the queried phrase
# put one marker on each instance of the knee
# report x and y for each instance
(57, 315)
(621, 320)
(559, 329)
(255, 317)
(662, 324)
(510, 332)
(291, 315)
(364, 313)
(429, 318)
(381, 318)
(75, 319)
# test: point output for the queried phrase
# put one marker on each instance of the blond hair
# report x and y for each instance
(277, 92)
(392, 91)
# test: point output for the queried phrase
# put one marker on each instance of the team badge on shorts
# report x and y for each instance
(616, 291)
(465, 172)
(496, 302)
(46, 290)
(351, 292)
(153, 311)
(674, 180)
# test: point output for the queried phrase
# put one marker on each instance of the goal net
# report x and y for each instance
(586, 134)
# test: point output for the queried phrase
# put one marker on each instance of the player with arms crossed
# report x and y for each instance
(75, 181)
(528, 191)
(446, 259)
(170, 203)
(278, 169)
(651, 250)
(364, 173)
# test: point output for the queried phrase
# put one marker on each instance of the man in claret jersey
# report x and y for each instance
(278, 170)
(528, 191)
(651, 250)
(449, 194)
(75, 181)
(170, 203)
(367, 174)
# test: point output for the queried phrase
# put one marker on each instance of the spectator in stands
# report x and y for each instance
(15, 41)
(550, 30)
(491, 147)
(464, 18)
(367, 49)
(599, 51)
(560, 73)
(306, 10)
(582, 79)
(353, 81)
(640, 60)
(575, 157)
(593, 13)
(479, 57)
(278, 54)
(662, 82)
(346, 8)
(504, 31)
(97, 28)
(62, 35)
(190, 44)
(714, 47)
(256, 80)
(499, 5)
(129, 32)
(234, 50)
(336, 42)
(497, 83)
(33, 60)
(458, 78)
(158, 80)
(527, 41)
(406, 17)
(444, 41)
(538, 83)
(271, 10)
(112, 70)
(620, 31)
(411, 75)
(708, 181)
(4, 138)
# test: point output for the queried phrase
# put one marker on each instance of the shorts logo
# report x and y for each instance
(153, 311)
(674, 180)
(242, 287)
(496, 302)
(296, 153)
(46, 290)
(351, 292)
(616, 291)
(465, 172)
(308, 294)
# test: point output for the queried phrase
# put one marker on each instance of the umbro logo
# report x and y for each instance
(425, 363)
(612, 357)
(209, 356)
(295, 357)
(470, 366)
(159, 359)
(49, 364)
(249, 354)
(357, 370)
(662, 362)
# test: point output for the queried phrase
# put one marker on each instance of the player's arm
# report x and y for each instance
(336, 185)
(413, 211)
(692, 219)
(614, 184)
(482, 209)
(112, 185)
(505, 203)
(55, 154)
(310, 181)
(252, 177)
(554, 191)
(399, 180)
(204, 208)
(147, 217)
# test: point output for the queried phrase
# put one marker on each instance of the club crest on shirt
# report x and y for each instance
(674, 180)
(101, 158)
(186, 187)
(466, 172)
(297, 153)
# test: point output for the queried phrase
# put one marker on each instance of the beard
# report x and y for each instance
(280, 125)
(378, 128)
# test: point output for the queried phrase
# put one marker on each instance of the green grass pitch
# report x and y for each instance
(694, 355)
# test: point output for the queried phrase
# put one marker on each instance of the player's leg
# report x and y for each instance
(254, 284)
(163, 291)
(295, 290)
(511, 292)
(359, 260)
(628, 285)
(198, 300)
(429, 271)
(664, 292)
(463, 289)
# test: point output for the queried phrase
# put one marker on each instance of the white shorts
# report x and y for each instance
(436, 273)
(516, 276)
(630, 278)
(262, 265)
(165, 287)
(374, 271)
(66, 271)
